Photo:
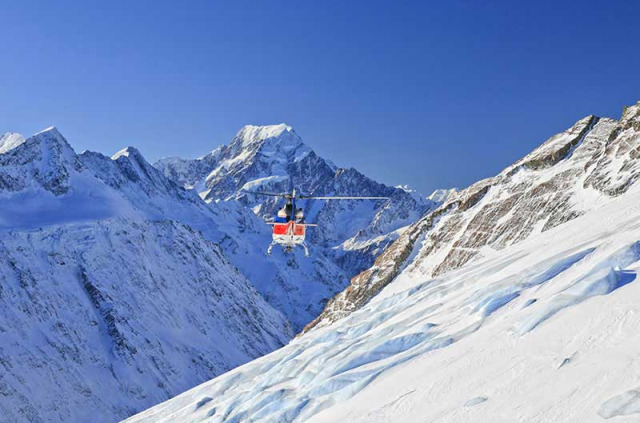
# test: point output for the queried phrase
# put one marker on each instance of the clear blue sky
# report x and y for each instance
(433, 94)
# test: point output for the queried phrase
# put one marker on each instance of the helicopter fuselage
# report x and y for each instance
(289, 231)
(289, 234)
(289, 227)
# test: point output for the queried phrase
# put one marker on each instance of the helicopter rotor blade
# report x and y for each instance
(268, 194)
(311, 197)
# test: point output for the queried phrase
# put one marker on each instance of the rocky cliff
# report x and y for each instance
(557, 182)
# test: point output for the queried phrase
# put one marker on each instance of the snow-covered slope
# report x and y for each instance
(540, 324)
(101, 319)
(274, 158)
(568, 175)
(110, 301)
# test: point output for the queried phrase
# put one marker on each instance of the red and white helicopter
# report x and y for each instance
(289, 227)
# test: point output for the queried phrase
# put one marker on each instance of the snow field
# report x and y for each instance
(502, 329)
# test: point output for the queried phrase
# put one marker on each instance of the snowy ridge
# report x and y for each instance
(564, 178)
(48, 163)
(252, 134)
(545, 302)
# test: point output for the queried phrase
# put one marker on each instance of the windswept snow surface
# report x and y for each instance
(544, 330)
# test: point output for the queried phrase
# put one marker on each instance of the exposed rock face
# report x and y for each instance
(555, 183)
(274, 159)
(616, 167)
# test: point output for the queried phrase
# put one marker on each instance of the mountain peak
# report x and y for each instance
(45, 160)
(252, 134)
(413, 193)
(51, 137)
(127, 152)
(50, 130)
(631, 114)
(10, 140)
(264, 131)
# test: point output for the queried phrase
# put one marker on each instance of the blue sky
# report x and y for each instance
(433, 94)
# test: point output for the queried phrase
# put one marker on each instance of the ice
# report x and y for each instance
(494, 302)
(566, 361)
(258, 184)
(623, 404)
(602, 279)
(203, 402)
(475, 401)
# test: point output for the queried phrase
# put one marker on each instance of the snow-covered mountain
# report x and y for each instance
(567, 176)
(516, 300)
(167, 290)
(101, 319)
(296, 286)
(274, 158)
(116, 291)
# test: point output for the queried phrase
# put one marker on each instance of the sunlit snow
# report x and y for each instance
(556, 313)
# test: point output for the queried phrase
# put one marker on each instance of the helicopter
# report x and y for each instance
(289, 226)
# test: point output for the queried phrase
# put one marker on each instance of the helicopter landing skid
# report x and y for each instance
(289, 248)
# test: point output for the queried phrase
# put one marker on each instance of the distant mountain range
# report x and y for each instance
(274, 159)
